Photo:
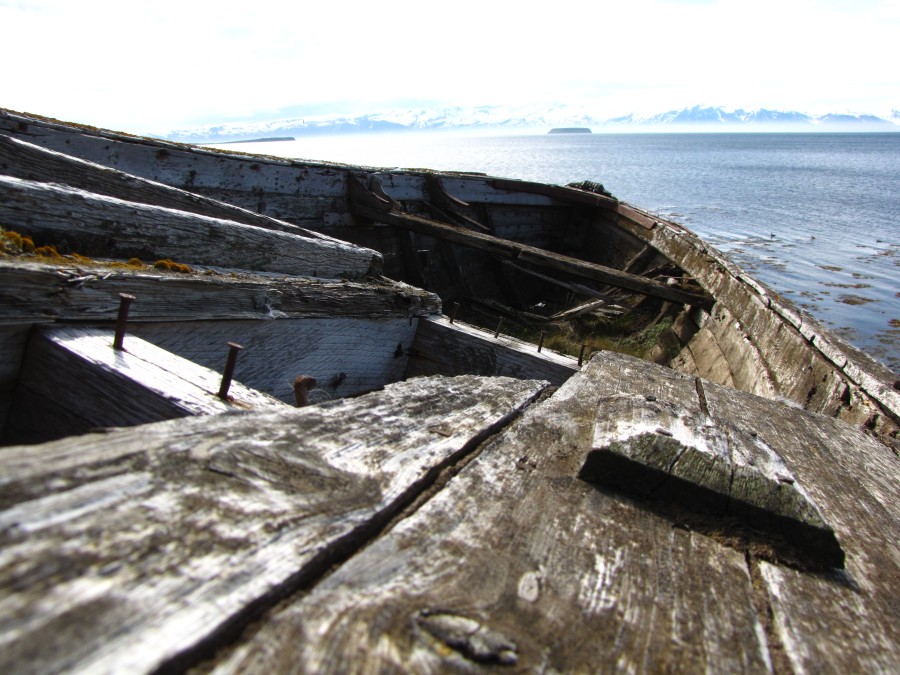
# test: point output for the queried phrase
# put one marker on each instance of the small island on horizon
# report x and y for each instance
(570, 130)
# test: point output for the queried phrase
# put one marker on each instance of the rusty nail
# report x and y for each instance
(497, 332)
(125, 301)
(302, 385)
(454, 312)
(581, 354)
(233, 349)
(541, 342)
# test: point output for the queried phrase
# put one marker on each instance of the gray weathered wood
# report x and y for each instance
(849, 623)
(454, 349)
(97, 225)
(535, 256)
(34, 291)
(31, 162)
(72, 380)
(518, 562)
(346, 356)
(134, 550)
(797, 358)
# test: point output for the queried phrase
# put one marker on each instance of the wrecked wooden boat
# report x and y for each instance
(474, 479)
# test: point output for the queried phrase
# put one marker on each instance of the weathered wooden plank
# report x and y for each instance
(32, 291)
(795, 362)
(93, 224)
(457, 348)
(594, 306)
(558, 192)
(580, 289)
(31, 162)
(673, 450)
(77, 370)
(851, 622)
(138, 549)
(529, 254)
(346, 356)
(518, 562)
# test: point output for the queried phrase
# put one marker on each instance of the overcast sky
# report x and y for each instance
(153, 66)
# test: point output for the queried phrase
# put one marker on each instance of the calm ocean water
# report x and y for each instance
(815, 216)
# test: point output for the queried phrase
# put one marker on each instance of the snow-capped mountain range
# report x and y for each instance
(697, 118)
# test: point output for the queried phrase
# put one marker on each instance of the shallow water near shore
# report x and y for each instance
(814, 216)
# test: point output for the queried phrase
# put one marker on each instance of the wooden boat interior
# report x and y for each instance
(260, 415)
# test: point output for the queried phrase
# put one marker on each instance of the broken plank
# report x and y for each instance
(580, 289)
(206, 522)
(849, 622)
(594, 306)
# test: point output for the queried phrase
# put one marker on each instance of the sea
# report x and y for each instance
(815, 216)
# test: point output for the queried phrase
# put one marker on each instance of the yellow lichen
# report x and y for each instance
(47, 251)
(166, 264)
(13, 238)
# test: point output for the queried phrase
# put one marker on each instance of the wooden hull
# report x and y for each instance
(456, 498)
(471, 238)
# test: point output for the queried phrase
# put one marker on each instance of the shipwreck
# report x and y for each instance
(261, 414)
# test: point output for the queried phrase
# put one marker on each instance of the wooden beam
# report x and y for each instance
(32, 162)
(564, 194)
(33, 292)
(529, 254)
(574, 288)
(97, 225)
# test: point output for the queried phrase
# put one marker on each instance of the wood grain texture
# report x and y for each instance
(76, 370)
(131, 550)
(454, 349)
(31, 291)
(797, 357)
(850, 623)
(31, 162)
(369, 353)
(518, 562)
(75, 220)
(507, 249)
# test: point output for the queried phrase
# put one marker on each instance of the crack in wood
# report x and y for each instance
(252, 616)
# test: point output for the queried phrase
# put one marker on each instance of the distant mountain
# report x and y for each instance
(761, 119)
(697, 118)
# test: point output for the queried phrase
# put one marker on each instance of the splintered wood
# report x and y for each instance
(180, 545)
(131, 550)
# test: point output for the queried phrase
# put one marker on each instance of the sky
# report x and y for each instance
(160, 65)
